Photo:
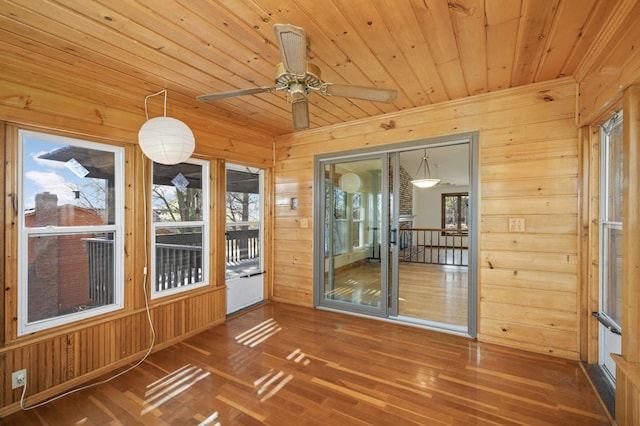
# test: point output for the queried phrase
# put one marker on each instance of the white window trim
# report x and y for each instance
(24, 326)
(604, 222)
(204, 223)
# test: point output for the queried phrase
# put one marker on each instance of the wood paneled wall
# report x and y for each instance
(59, 359)
(606, 76)
(628, 363)
(529, 168)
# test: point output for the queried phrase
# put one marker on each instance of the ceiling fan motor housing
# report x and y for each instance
(311, 78)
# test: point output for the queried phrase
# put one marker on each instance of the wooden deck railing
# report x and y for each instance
(100, 264)
(434, 246)
(177, 265)
(242, 245)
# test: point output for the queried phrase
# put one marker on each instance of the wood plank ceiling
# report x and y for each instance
(429, 50)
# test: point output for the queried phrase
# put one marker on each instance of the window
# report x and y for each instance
(180, 200)
(455, 211)
(611, 220)
(71, 240)
(341, 226)
(357, 218)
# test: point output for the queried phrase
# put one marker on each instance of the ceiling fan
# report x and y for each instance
(299, 78)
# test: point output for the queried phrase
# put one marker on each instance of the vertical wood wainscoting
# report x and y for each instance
(529, 167)
(59, 361)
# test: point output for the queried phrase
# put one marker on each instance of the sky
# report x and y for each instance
(50, 176)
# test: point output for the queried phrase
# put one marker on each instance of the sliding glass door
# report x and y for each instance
(431, 272)
(354, 212)
(386, 247)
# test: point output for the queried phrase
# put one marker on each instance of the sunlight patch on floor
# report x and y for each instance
(171, 385)
(258, 334)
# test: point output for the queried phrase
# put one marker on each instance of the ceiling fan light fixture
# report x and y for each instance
(300, 78)
(297, 91)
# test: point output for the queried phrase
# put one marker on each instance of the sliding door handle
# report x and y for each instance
(393, 237)
(610, 325)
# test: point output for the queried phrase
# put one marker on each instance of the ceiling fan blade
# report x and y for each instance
(292, 41)
(360, 92)
(300, 111)
(232, 93)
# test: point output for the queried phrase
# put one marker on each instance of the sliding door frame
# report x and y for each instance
(474, 223)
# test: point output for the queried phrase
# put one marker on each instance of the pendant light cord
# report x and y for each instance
(146, 113)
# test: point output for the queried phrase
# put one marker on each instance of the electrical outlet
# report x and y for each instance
(18, 378)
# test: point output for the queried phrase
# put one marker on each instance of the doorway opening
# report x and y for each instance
(387, 248)
(244, 270)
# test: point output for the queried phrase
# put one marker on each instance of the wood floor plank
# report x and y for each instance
(327, 368)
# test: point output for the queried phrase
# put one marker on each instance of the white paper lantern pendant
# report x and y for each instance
(165, 140)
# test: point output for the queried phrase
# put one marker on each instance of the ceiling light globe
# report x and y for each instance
(425, 183)
(350, 182)
(166, 140)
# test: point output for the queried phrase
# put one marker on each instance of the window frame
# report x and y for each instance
(117, 229)
(459, 196)
(607, 222)
(204, 223)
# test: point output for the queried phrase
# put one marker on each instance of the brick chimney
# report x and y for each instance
(43, 269)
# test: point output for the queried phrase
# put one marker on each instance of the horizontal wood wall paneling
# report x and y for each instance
(531, 169)
(301, 297)
(66, 110)
(442, 119)
(534, 223)
(527, 206)
(544, 243)
(506, 136)
(536, 317)
(530, 278)
(554, 262)
(539, 187)
(291, 256)
(530, 152)
(521, 337)
(528, 168)
(517, 296)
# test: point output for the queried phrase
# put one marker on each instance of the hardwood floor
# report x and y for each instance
(288, 365)
(436, 293)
